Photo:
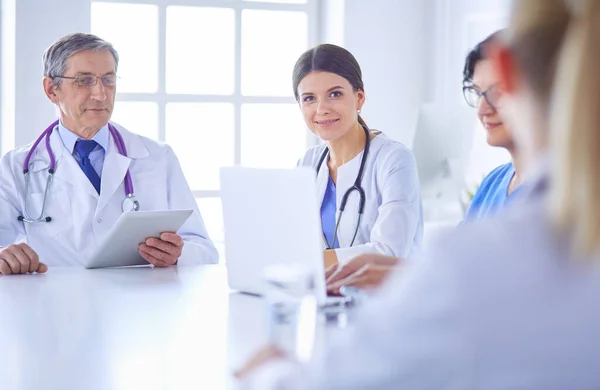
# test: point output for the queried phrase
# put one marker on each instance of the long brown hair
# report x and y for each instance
(333, 59)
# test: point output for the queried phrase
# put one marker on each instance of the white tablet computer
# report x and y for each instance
(120, 246)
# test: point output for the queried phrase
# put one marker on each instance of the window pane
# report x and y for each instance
(273, 135)
(200, 50)
(137, 44)
(138, 117)
(212, 214)
(272, 41)
(202, 136)
(279, 1)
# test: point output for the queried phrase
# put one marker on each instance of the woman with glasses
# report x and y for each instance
(480, 88)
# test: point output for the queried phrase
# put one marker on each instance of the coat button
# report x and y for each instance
(99, 220)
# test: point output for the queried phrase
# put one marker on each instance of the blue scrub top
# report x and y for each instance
(492, 194)
(328, 209)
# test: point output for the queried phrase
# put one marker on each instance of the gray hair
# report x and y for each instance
(56, 56)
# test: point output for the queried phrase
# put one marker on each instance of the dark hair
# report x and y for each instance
(329, 58)
(476, 55)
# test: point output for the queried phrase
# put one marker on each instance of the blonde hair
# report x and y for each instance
(575, 129)
(557, 47)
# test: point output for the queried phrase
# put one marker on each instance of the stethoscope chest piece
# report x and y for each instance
(130, 204)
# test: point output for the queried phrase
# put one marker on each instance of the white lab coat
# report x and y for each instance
(80, 217)
(495, 304)
(392, 223)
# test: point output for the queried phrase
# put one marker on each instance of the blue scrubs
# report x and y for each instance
(328, 209)
(492, 194)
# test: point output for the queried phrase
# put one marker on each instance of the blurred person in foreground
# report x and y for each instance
(509, 302)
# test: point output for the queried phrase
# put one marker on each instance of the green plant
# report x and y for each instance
(471, 192)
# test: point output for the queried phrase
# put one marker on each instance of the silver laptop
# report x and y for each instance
(271, 216)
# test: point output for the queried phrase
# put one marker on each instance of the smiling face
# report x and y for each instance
(484, 78)
(84, 109)
(329, 104)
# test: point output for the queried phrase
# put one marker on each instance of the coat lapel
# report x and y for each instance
(113, 173)
(116, 166)
(346, 176)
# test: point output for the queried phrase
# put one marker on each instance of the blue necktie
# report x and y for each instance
(83, 148)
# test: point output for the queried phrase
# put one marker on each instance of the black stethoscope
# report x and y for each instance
(356, 187)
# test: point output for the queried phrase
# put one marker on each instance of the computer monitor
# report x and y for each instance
(271, 217)
(441, 146)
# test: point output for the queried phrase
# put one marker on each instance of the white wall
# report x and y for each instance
(389, 40)
(412, 52)
(463, 24)
(38, 24)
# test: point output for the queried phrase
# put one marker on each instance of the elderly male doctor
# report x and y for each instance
(93, 161)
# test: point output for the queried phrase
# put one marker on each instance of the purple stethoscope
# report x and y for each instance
(129, 204)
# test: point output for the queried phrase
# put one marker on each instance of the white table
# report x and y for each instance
(133, 328)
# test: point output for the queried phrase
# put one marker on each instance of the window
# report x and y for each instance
(7, 76)
(211, 78)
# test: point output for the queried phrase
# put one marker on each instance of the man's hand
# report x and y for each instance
(162, 252)
(20, 259)
(364, 271)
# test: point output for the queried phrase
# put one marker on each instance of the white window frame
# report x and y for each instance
(237, 99)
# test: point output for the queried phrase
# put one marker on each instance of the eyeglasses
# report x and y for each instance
(473, 96)
(90, 80)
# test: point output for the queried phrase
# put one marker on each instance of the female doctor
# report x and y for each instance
(368, 184)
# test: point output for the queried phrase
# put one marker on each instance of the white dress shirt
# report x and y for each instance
(102, 138)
